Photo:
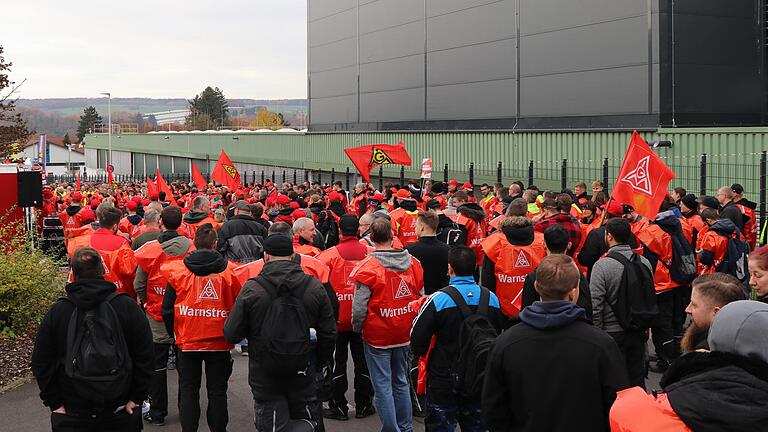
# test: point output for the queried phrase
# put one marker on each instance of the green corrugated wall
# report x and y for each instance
(733, 153)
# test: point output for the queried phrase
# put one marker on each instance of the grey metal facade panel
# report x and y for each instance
(442, 7)
(475, 100)
(388, 14)
(726, 81)
(337, 109)
(392, 105)
(333, 56)
(334, 83)
(391, 43)
(398, 74)
(538, 16)
(320, 9)
(491, 22)
(601, 92)
(490, 61)
(334, 28)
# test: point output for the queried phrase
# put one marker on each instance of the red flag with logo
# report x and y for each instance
(643, 178)
(226, 173)
(198, 178)
(366, 157)
(163, 186)
(77, 185)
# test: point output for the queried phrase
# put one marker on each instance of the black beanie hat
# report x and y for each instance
(279, 245)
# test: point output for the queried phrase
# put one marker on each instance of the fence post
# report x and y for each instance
(306, 176)
(274, 179)
(530, 173)
(498, 173)
(472, 173)
(445, 173)
(294, 175)
(564, 175)
(402, 176)
(262, 176)
(605, 174)
(284, 178)
(346, 178)
(703, 174)
(763, 175)
(333, 175)
(381, 178)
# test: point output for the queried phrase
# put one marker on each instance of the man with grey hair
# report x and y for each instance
(359, 200)
(728, 208)
(150, 231)
(198, 215)
(306, 239)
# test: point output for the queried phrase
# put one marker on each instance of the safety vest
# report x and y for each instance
(404, 225)
(475, 235)
(342, 285)
(306, 249)
(487, 203)
(150, 257)
(512, 265)
(750, 227)
(660, 243)
(119, 264)
(390, 316)
(718, 245)
(127, 227)
(636, 411)
(354, 205)
(69, 222)
(190, 229)
(311, 266)
(202, 305)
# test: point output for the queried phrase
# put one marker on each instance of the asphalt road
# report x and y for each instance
(22, 410)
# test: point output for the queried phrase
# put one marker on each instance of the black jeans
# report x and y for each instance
(662, 330)
(118, 422)
(290, 412)
(218, 368)
(632, 347)
(158, 392)
(362, 380)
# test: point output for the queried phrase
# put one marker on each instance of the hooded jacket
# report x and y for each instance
(247, 316)
(56, 389)
(516, 236)
(471, 220)
(714, 245)
(241, 239)
(527, 374)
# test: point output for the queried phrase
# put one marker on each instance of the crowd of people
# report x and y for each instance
(511, 309)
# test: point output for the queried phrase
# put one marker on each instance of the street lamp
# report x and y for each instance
(109, 120)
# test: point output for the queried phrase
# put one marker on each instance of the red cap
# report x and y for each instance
(95, 203)
(131, 205)
(298, 214)
(145, 202)
(453, 182)
(77, 196)
(393, 189)
(283, 199)
(137, 199)
(334, 196)
(404, 193)
(466, 186)
(154, 196)
(269, 184)
(615, 208)
(294, 205)
(377, 197)
(87, 216)
(328, 190)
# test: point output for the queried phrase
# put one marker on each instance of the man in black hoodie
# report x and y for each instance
(283, 404)
(241, 237)
(83, 411)
(554, 371)
(431, 253)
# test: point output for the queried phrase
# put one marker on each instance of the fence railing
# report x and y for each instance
(699, 174)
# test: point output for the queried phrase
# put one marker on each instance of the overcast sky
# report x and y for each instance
(158, 49)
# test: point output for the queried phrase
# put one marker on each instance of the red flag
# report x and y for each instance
(163, 186)
(365, 158)
(110, 178)
(226, 173)
(198, 178)
(77, 185)
(151, 187)
(643, 178)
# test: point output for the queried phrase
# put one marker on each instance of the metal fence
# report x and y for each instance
(699, 174)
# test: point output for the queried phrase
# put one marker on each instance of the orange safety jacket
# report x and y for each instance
(476, 232)
(750, 227)
(127, 227)
(660, 243)
(404, 225)
(636, 411)
(202, 305)
(342, 285)
(190, 229)
(119, 264)
(717, 244)
(311, 266)
(150, 257)
(354, 205)
(512, 263)
(390, 316)
(69, 223)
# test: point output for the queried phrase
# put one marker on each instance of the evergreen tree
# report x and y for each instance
(89, 118)
(13, 127)
(208, 110)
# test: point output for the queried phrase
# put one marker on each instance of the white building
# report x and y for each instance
(56, 155)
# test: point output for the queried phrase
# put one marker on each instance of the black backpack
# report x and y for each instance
(97, 360)
(452, 235)
(284, 337)
(683, 269)
(635, 306)
(736, 262)
(330, 229)
(476, 337)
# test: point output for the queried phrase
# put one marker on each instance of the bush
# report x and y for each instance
(30, 281)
